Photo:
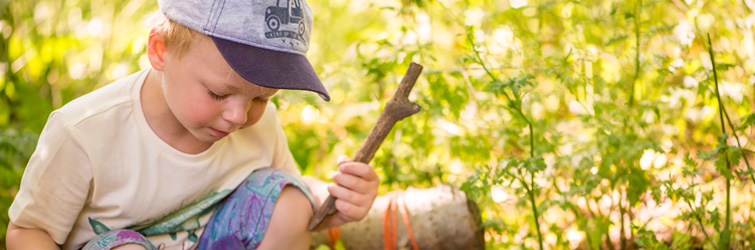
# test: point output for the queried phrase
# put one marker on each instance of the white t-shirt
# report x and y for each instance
(99, 166)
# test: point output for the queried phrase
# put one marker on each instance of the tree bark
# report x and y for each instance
(441, 218)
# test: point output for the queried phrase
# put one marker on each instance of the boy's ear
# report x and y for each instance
(156, 49)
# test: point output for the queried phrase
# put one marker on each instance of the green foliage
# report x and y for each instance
(646, 239)
(15, 149)
(747, 121)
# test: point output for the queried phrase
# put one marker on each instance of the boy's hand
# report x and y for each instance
(356, 189)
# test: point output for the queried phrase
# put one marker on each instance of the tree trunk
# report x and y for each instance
(440, 218)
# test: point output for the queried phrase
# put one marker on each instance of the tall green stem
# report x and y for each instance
(535, 213)
(726, 237)
(637, 71)
(518, 108)
(739, 144)
(702, 227)
(531, 191)
(531, 195)
(479, 58)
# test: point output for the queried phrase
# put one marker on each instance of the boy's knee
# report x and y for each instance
(287, 227)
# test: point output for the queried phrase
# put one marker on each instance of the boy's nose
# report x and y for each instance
(236, 114)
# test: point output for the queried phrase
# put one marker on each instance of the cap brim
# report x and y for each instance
(269, 68)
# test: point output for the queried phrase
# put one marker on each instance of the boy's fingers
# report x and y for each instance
(355, 189)
(359, 169)
(351, 182)
(350, 211)
(346, 195)
(342, 159)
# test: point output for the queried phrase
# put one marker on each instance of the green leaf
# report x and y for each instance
(748, 171)
(639, 184)
(720, 148)
(722, 167)
(724, 66)
(514, 84)
(534, 165)
(746, 121)
(690, 166)
(616, 39)
(680, 240)
(498, 225)
(734, 154)
(715, 216)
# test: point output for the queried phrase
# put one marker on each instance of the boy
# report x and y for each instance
(187, 154)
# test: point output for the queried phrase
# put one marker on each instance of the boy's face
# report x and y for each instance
(206, 96)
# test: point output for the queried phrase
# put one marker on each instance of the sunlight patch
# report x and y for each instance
(516, 4)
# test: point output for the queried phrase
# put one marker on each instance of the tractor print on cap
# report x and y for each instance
(285, 19)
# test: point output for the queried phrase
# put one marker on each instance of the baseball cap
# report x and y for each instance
(264, 41)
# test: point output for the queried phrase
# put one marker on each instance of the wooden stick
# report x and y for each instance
(396, 109)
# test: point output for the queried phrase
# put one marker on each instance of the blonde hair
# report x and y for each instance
(176, 36)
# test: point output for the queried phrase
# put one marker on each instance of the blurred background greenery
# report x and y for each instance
(573, 124)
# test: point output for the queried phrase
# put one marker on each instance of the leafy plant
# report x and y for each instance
(15, 149)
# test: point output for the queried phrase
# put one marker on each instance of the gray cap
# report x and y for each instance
(264, 41)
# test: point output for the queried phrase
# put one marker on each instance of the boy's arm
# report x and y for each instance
(356, 189)
(287, 228)
(320, 192)
(28, 238)
(54, 187)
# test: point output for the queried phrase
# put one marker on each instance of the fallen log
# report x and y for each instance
(438, 218)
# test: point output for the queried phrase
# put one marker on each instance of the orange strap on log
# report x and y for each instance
(333, 234)
(390, 222)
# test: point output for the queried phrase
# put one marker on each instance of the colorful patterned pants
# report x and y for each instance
(239, 222)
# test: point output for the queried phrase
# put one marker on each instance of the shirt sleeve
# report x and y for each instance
(282, 157)
(55, 184)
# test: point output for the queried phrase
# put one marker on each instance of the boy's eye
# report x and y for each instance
(216, 96)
